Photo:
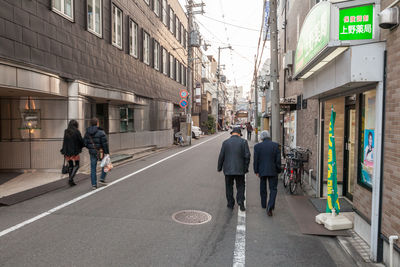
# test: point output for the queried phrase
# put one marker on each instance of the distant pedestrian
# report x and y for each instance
(267, 165)
(234, 159)
(249, 130)
(96, 141)
(71, 148)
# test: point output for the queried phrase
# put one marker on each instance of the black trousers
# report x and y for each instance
(272, 182)
(240, 187)
(248, 135)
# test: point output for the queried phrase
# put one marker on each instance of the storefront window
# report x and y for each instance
(367, 138)
(126, 120)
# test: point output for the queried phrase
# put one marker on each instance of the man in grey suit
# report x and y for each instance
(234, 159)
(267, 165)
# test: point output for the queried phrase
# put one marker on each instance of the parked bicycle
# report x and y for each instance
(294, 167)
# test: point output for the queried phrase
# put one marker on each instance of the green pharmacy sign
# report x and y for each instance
(356, 23)
(314, 36)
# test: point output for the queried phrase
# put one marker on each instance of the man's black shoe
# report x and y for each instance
(230, 206)
(242, 207)
(269, 212)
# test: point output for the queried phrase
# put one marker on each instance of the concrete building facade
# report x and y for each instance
(121, 61)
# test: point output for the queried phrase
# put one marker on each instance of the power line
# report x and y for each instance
(230, 24)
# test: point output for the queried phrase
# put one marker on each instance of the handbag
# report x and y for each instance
(64, 169)
(100, 151)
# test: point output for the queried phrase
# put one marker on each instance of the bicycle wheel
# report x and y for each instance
(293, 184)
(286, 178)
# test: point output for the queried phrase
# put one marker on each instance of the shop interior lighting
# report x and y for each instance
(335, 53)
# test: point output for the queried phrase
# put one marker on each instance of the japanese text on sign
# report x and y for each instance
(356, 23)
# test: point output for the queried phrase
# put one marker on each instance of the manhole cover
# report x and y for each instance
(191, 217)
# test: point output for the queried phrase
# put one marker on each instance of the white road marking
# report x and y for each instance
(66, 204)
(239, 254)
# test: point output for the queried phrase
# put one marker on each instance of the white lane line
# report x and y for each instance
(239, 254)
(66, 204)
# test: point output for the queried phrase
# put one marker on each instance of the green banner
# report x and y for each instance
(332, 200)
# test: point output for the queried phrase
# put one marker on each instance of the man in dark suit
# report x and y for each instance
(234, 159)
(267, 165)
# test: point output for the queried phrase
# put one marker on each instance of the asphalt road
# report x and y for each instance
(129, 223)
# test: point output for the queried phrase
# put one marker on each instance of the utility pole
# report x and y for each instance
(218, 82)
(190, 13)
(275, 108)
(190, 72)
(256, 109)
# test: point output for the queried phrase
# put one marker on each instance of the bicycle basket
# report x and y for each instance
(303, 156)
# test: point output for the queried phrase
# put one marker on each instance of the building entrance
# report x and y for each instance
(349, 166)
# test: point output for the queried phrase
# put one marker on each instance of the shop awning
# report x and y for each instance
(360, 66)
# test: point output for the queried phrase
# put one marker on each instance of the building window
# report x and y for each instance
(184, 38)
(367, 138)
(177, 70)
(165, 61)
(116, 26)
(133, 38)
(176, 31)
(171, 67)
(182, 32)
(157, 7)
(64, 8)
(182, 75)
(156, 55)
(94, 16)
(164, 12)
(126, 119)
(146, 48)
(171, 20)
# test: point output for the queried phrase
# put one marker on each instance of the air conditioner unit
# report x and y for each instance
(288, 59)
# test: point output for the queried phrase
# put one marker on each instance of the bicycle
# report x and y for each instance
(301, 156)
(287, 166)
(179, 139)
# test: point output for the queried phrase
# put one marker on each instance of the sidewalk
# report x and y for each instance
(17, 187)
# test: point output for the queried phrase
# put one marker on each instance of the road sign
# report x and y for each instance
(183, 103)
(183, 93)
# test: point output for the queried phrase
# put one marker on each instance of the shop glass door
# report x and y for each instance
(350, 174)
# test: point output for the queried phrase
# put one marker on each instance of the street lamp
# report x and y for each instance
(219, 75)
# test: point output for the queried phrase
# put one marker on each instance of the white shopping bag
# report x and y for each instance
(105, 161)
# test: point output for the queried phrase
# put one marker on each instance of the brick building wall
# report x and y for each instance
(289, 32)
(391, 160)
(32, 34)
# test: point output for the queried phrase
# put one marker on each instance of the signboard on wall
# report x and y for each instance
(356, 23)
(314, 36)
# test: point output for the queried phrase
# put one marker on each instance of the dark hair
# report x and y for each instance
(370, 134)
(73, 124)
(72, 127)
(94, 121)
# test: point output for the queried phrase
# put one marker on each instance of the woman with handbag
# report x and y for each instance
(96, 142)
(72, 147)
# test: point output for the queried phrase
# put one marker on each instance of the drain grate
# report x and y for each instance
(191, 217)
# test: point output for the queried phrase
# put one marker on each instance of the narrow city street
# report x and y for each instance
(129, 223)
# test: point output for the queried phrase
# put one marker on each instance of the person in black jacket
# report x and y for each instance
(234, 159)
(96, 141)
(72, 147)
(267, 165)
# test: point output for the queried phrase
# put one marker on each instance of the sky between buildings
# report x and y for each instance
(218, 28)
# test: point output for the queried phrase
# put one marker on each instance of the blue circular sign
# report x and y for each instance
(183, 103)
